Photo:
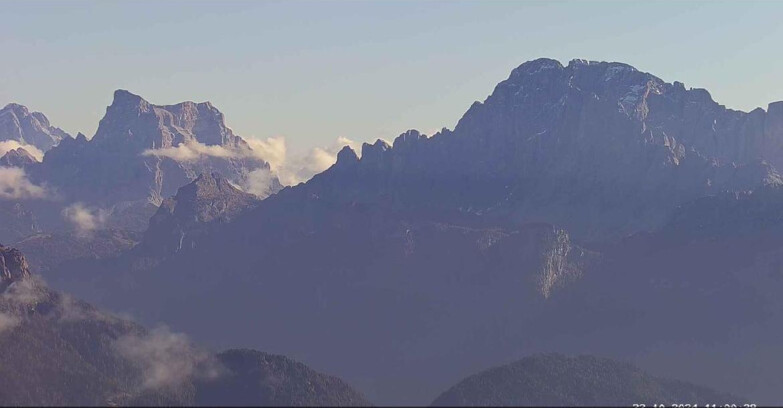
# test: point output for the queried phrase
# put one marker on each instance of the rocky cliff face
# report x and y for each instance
(181, 220)
(13, 266)
(600, 148)
(18, 157)
(142, 153)
(132, 122)
(17, 123)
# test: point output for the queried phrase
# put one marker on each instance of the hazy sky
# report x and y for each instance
(315, 71)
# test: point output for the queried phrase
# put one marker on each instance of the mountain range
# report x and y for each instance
(140, 155)
(587, 208)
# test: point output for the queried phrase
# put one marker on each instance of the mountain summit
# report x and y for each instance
(182, 219)
(17, 123)
(131, 121)
(143, 153)
(599, 147)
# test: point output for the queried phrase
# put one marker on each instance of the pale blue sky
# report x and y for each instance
(314, 71)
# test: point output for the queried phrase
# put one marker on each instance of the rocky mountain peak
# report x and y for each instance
(346, 156)
(376, 152)
(537, 66)
(17, 123)
(17, 109)
(208, 186)
(182, 219)
(550, 133)
(13, 266)
(18, 157)
(409, 138)
(132, 121)
(124, 99)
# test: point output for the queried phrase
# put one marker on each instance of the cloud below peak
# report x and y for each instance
(14, 185)
(8, 145)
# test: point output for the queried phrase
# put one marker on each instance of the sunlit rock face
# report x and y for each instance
(600, 148)
(142, 153)
(17, 123)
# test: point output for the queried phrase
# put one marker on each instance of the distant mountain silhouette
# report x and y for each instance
(18, 124)
(557, 380)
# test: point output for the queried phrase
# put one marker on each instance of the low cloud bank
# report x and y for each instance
(273, 150)
(187, 152)
(15, 185)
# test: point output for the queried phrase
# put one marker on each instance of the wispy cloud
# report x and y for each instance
(166, 358)
(85, 219)
(290, 170)
(25, 292)
(273, 150)
(14, 184)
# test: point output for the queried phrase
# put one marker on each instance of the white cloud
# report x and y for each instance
(8, 145)
(85, 219)
(318, 159)
(15, 185)
(166, 358)
(272, 150)
(193, 151)
(257, 182)
(25, 292)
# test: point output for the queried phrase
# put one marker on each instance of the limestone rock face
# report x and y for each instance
(598, 147)
(182, 219)
(132, 122)
(18, 157)
(17, 123)
(13, 266)
(143, 153)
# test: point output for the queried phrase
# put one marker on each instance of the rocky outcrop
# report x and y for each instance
(17, 123)
(13, 267)
(561, 261)
(181, 220)
(18, 157)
